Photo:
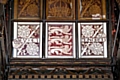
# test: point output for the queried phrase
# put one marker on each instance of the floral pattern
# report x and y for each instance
(32, 49)
(23, 31)
(87, 31)
(96, 48)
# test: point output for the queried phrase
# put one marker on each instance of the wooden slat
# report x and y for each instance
(16, 76)
(61, 76)
(29, 76)
(67, 76)
(55, 76)
(49, 76)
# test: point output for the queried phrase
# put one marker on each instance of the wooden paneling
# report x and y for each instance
(60, 9)
(91, 9)
(28, 9)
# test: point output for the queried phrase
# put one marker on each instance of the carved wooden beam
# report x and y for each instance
(118, 2)
(3, 1)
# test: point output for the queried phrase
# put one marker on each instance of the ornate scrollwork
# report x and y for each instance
(56, 70)
(24, 70)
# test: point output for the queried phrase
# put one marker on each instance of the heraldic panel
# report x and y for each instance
(92, 40)
(27, 41)
(60, 40)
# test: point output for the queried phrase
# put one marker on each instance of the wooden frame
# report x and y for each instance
(60, 10)
(60, 40)
(92, 39)
(28, 10)
(27, 41)
(91, 9)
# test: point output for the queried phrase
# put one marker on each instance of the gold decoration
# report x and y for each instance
(32, 10)
(60, 9)
(92, 9)
(95, 9)
(27, 9)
